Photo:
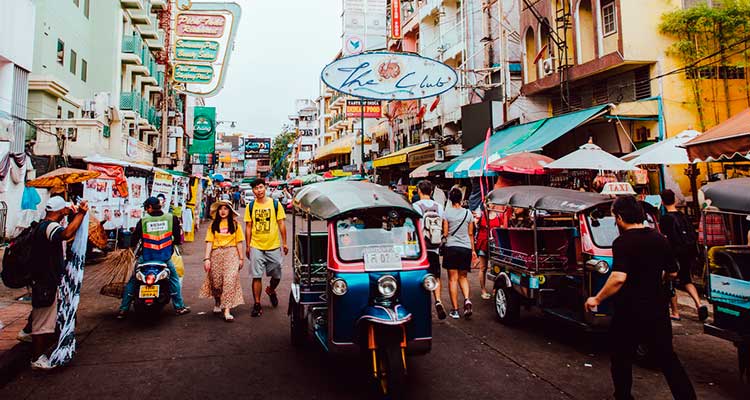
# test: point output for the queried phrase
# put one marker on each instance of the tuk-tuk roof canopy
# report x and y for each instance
(547, 198)
(327, 200)
(729, 195)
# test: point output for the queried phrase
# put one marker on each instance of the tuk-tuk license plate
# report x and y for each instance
(148, 292)
(382, 258)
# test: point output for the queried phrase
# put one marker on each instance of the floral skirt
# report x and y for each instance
(223, 280)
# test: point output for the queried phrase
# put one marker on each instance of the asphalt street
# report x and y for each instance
(200, 356)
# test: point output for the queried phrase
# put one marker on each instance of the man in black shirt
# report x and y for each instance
(676, 227)
(641, 259)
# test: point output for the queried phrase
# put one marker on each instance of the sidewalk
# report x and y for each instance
(14, 355)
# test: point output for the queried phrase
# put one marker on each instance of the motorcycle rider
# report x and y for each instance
(159, 232)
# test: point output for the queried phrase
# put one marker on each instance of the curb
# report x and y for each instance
(14, 361)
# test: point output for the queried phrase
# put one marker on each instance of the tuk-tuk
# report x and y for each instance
(555, 252)
(361, 282)
(728, 264)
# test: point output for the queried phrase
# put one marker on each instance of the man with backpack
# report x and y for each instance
(265, 237)
(681, 235)
(432, 226)
(47, 267)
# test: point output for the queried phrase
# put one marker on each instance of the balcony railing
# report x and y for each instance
(132, 44)
(130, 101)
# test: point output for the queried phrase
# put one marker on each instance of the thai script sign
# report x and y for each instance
(200, 25)
(196, 50)
(193, 73)
(373, 109)
(389, 76)
(395, 19)
(257, 148)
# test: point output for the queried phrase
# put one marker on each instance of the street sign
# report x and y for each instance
(389, 76)
(373, 109)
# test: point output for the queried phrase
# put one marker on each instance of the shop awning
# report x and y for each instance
(341, 146)
(529, 137)
(423, 170)
(440, 167)
(398, 157)
(724, 141)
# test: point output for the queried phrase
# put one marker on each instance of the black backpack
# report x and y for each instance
(19, 258)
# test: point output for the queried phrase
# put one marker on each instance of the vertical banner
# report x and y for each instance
(395, 19)
(204, 130)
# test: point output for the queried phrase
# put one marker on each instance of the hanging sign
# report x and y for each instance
(201, 25)
(204, 130)
(192, 73)
(373, 109)
(196, 50)
(395, 19)
(389, 76)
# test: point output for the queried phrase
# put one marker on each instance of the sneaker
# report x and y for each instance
(454, 314)
(702, 313)
(23, 336)
(257, 311)
(467, 309)
(41, 364)
(182, 311)
(440, 310)
(122, 314)
(217, 310)
(272, 295)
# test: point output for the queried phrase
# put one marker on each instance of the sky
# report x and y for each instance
(280, 49)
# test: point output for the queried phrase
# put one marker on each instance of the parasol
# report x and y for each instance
(312, 178)
(295, 182)
(521, 163)
(667, 152)
(62, 177)
(225, 184)
(328, 175)
(274, 183)
(218, 177)
(591, 156)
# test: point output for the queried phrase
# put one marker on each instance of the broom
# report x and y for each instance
(112, 274)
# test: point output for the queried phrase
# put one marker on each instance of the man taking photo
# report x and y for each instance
(265, 236)
(642, 260)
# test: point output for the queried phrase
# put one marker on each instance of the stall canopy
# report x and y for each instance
(529, 137)
(423, 170)
(591, 157)
(666, 152)
(521, 163)
(340, 146)
(729, 195)
(724, 141)
(398, 157)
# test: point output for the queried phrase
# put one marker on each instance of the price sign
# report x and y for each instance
(381, 258)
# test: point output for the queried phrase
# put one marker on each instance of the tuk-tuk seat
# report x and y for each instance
(734, 261)
(553, 244)
(319, 250)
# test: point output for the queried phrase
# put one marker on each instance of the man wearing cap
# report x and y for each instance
(47, 273)
(159, 232)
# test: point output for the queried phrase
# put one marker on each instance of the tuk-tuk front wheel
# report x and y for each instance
(507, 305)
(298, 330)
(390, 362)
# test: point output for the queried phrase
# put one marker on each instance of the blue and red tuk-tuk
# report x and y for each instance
(360, 277)
(555, 252)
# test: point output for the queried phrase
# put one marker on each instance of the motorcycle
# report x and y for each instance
(153, 287)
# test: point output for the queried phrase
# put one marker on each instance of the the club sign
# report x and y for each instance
(389, 76)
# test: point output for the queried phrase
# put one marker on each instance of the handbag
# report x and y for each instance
(43, 296)
(442, 250)
(179, 264)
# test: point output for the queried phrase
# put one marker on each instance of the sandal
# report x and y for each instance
(229, 318)
(486, 296)
(217, 310)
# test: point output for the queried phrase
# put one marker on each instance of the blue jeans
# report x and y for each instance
(174, 289)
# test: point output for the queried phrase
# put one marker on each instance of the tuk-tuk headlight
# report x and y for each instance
(339, 287)
(387, 286)
(430, 282)
(599, 266)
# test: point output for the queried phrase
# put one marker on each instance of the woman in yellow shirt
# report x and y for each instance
(223, 262)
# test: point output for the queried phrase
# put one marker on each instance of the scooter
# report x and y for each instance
(153, 287)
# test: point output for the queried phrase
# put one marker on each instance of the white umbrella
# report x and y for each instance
(423, 171)
(591, 156)
(666, 152)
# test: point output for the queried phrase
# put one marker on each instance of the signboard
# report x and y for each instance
(204, 130)
(192, 73)
(256, 148)
(251, 168)
(197, 169)
(421, 157)
(373, 108)
(204, 36)
(364, 26)
(389, 76)
(196, 50)
(162, 186)
(395, 19)
(350, 168)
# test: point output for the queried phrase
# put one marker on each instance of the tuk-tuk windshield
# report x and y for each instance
(604, 229)
(356, 235)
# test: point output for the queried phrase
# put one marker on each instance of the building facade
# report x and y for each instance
(305, 123)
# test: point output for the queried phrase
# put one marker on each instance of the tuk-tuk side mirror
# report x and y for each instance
(595, 222)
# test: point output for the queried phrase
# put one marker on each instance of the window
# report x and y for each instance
(86, 8)
(76, 2)
(71, 114)
(84, 70)
(59, 112)
(73, 66)
(609, 18)
(60, 52)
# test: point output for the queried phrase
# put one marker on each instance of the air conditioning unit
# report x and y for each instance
(440, 155)
(88, 106)
(548, 66)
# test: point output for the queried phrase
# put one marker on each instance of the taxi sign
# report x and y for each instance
(618, 189)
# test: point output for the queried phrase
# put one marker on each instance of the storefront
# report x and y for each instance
(395, 167)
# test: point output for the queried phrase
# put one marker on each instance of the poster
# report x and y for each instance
(137, 191)
(179, 190)
(162, 188)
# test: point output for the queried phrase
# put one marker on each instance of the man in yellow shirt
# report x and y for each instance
(264, 221)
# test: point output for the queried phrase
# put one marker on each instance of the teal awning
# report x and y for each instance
(532, 136)
(441, 166)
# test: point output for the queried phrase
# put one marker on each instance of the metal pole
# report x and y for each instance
(362, 144)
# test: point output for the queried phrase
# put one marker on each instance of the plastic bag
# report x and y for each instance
(179, 265)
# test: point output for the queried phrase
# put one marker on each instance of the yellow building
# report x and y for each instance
(611, 51)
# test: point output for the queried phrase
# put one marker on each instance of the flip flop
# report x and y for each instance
(675, 318)
(229, 318)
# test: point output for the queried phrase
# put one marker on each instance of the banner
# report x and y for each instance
(257, 148)
(162, 187)
(395, 19)
(373, 108)
(204, 130)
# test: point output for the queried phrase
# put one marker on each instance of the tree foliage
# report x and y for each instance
(707, 38)
(279, 153)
